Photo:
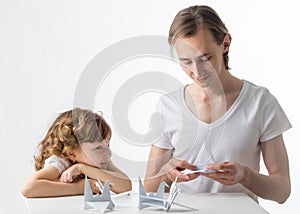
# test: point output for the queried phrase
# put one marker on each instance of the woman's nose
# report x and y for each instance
(195, 69)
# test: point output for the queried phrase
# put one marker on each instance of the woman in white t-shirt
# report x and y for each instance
(76, 144)
(218, 122)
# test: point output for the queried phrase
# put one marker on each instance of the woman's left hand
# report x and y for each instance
(228, 173)
(68, 175)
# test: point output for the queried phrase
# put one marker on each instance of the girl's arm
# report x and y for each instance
(44, 183)
(120, 180)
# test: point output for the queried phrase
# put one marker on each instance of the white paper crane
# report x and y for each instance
(97, 202)
(157, 200)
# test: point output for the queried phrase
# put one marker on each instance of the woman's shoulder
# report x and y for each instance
(172, 96)
(254, 90)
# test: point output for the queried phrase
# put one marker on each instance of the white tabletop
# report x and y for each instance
(205, 203)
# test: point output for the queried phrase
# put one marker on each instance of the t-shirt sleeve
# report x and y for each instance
(273, 119)
(59, 163)
(158, 133)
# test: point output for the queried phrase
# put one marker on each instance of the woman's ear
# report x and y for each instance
(227, 42)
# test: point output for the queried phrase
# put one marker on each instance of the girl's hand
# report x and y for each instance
(68, 175)
(80, 186)
(229, 173)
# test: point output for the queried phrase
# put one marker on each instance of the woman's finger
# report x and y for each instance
(193, 175)
(181, 164)
(187, 165)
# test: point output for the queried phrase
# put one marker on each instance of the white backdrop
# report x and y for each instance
(45, 46)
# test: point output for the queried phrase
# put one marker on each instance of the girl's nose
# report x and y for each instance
(107, 152)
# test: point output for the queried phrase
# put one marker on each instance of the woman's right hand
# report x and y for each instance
(173, 169)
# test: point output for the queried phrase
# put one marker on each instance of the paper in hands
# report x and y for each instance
(157, 200)
(188, 171)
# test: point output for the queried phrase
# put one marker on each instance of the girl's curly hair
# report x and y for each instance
(68, 131)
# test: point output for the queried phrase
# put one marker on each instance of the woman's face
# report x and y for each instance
(94, 154)
(201, 57)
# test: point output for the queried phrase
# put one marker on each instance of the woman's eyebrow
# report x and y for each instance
(197, 57)
(203, 55)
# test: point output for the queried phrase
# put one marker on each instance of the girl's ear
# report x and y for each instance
(71, 153)
(227, 42)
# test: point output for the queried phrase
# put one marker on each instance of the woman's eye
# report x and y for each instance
(186, 62)
(204, 59)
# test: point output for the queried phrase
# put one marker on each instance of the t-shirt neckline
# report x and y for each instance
(223, 117)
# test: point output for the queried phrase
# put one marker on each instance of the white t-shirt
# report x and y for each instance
(254, 117)
(59, 163)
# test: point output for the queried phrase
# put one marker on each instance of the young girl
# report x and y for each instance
(76, 144)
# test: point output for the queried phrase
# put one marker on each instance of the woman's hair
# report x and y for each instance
(189, 20)
(68, 131)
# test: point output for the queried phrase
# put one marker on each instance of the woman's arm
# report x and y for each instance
(44, 183)
(162, 167)
(155, 163)
(275, 186)
(121, 182)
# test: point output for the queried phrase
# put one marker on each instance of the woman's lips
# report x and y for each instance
(201, 79)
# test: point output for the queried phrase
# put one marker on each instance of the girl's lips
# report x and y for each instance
(104, 163)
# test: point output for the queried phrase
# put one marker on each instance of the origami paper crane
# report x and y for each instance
(157, 200)
(97, 202)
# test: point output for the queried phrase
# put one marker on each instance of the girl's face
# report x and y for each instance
(201, 57)
(95, 154)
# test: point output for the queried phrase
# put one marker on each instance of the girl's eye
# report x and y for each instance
(98, 148)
